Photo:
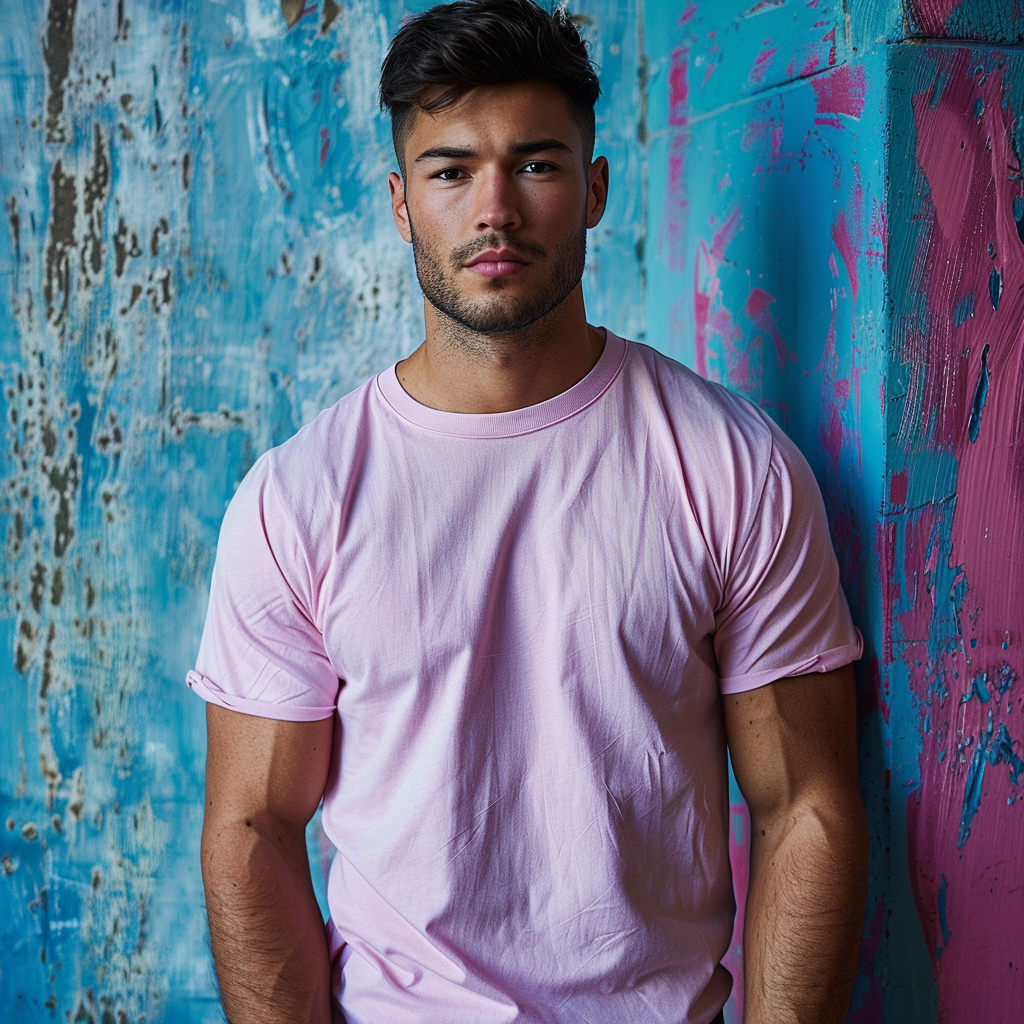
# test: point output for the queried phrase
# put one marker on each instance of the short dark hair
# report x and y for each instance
(458, 46)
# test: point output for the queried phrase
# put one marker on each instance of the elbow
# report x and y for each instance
(823, 833)
(836, 832)
(237, 854)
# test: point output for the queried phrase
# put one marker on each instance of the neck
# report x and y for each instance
(459, 370)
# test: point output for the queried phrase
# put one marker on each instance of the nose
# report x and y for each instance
(497, 201)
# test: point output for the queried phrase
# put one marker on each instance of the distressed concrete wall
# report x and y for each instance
(199, 256)
(837, 212)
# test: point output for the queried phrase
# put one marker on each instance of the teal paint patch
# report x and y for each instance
(943, 921)
(987, 21)
(980, 397)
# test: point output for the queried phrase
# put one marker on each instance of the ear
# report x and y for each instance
(398, 207)
(597, 191)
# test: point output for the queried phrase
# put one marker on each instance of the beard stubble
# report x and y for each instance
(497, 312)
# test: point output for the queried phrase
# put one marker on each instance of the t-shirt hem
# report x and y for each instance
(209, 691)
(825, 662)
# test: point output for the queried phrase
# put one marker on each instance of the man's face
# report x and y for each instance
(496, 201)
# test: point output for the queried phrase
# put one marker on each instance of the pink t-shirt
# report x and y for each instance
(525, 622)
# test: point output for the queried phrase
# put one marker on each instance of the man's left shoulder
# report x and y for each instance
(701, 409)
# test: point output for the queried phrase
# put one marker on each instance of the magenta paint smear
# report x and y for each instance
(868, 1005)
(838, 426)
(966, 830)
(878, 250)
(931, 15)
(676, 203)
(712, 316)
(761, 63)
(679, 88)
(847, 249)
(764, 133)
(757, 309)
(839, 92)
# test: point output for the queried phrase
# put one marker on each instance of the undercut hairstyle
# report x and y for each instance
(438, 56)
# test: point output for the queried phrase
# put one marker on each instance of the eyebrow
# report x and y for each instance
(519, 149)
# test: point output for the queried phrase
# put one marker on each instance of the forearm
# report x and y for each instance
(269, 943)
(805, 910)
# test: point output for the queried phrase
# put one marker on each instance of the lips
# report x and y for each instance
(497, 263)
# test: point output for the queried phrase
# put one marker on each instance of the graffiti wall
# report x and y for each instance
(839, 221)
(817, 203)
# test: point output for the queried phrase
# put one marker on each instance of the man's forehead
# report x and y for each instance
(518, 117)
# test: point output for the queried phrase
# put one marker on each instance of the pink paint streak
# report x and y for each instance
(931, 15)
(837, 433)
(764, 134)
(711, 315)
(676, 203)
(885, 547)
(811, 64)
(761, 64)
(679, 88)
(867, 1007)
(831, 436)
(757, 310)
(898, 488)
(830, 38)
(879, 247)
(841, 91)
(964, 158)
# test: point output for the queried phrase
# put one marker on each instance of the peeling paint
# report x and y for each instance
(60, 33)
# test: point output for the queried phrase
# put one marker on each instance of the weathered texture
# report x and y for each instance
(992, 21)
(198, 256)
(953, 530)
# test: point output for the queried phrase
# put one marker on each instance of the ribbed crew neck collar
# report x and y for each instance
(515, 421)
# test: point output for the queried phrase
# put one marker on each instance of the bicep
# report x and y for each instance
(265, 768)
(794, 740)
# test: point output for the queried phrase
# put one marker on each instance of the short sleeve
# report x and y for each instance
(261, 652)
(783, 611)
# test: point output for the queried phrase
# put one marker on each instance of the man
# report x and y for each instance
(501, 607)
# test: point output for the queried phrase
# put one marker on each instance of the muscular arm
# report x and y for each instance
(793, 749)
(264, 779)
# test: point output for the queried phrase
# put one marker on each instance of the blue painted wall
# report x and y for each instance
(199, 256)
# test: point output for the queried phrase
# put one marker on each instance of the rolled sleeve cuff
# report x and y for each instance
(825, 662)
(210, 692)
